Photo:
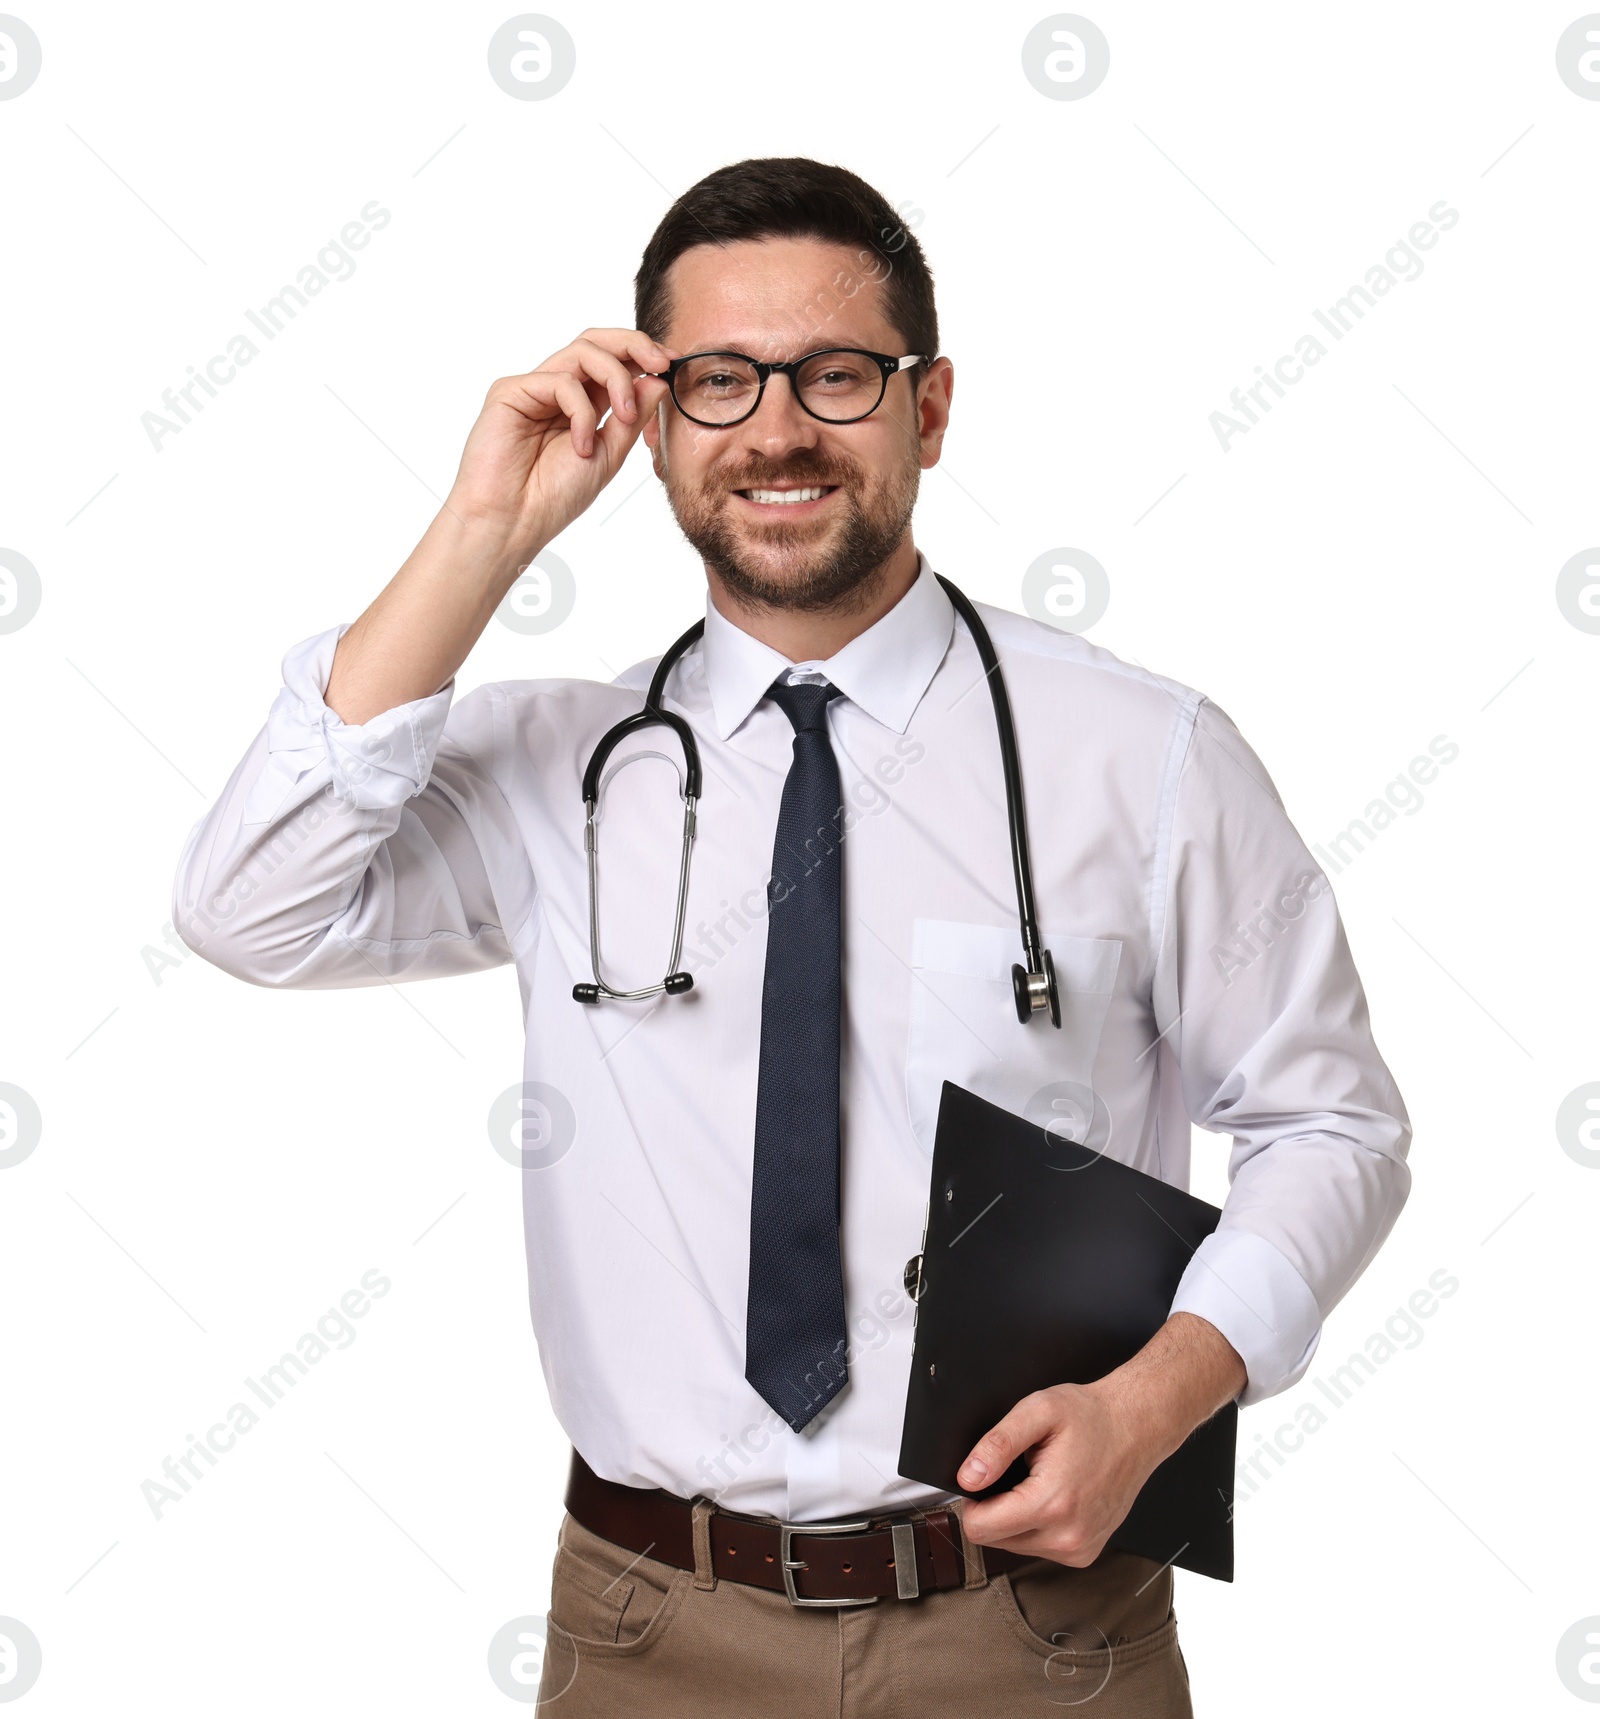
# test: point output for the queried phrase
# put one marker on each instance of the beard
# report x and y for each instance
(772, 564)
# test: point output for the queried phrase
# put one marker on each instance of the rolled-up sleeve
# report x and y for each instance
(1265, 1027)
(349, 854)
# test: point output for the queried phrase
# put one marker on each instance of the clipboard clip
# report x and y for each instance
(911, 1277)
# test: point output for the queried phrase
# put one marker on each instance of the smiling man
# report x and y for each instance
(724, 1171)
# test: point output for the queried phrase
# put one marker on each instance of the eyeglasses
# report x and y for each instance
(840, 386)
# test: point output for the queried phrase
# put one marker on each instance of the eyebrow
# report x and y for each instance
(819, 343)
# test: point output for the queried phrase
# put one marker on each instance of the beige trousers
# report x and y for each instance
(631, 1638)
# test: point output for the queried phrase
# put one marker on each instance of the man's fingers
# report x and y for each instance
(1004, 1442)
(539, 392)
(1035, 1518)
(631, 345)
(635, 352)
(1037, 1543)
(1005, 1517)
(603, 368)
(618, 434)
(616, 368)
(566, 391)
(609, 372)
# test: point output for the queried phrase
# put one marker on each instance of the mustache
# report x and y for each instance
(766, 474)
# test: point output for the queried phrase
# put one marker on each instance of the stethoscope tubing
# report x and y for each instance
(1011, 769)
(1034, 985)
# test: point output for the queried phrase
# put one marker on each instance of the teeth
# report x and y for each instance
(784, 496)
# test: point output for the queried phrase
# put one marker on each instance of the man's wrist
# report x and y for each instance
(1179, 1380)
(485, 549)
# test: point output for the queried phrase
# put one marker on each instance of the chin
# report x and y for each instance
(803, 564)
(786, 563)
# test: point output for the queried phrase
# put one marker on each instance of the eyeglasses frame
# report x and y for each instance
(887, 364)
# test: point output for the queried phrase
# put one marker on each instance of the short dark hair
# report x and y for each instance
(793, 197)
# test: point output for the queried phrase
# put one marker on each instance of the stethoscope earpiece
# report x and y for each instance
(675, 984)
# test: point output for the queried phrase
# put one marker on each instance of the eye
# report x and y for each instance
(839, 372)
(715, 376)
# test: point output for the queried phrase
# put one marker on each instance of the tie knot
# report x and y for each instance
(805, 703)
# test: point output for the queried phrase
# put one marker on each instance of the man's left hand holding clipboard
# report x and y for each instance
(1090, 1448)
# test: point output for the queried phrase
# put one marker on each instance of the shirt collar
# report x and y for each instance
(884, 670)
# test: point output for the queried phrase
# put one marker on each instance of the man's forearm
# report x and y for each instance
(419, 629)
(1178, 1380)
(536, 458)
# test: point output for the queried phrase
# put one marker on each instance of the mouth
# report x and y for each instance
(788, 499)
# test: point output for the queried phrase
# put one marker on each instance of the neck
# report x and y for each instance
(815, 635)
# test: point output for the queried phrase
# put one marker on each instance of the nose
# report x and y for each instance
(779, 425)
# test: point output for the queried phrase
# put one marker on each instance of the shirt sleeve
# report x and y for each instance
(351, 854)
(1265, 1027)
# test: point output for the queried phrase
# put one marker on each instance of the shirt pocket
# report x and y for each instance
(963, 1027)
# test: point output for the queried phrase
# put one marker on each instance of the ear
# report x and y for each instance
(654, 434)
(933, 410)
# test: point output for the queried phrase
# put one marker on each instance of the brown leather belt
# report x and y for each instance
(813, 1563)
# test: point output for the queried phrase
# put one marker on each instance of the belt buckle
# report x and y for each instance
(786, 1534)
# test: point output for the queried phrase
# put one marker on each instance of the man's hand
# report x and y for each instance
(536, 458)
(1091, 1447)
(539, 454)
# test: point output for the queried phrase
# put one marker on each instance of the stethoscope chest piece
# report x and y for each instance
(1036, 991)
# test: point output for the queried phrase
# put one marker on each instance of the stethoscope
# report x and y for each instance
(1033, 980)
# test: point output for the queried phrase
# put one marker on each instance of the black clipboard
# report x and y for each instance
(1045, 1263)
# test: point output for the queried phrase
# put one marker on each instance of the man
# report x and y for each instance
(730, 1178)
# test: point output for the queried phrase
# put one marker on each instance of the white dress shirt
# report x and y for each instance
(1203, 968)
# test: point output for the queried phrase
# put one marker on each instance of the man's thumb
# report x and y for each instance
(617, 435)
(1004, 1442)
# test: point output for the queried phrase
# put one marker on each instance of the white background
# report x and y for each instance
(1373, 565)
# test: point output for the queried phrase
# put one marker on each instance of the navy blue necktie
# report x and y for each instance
(795, 1338)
